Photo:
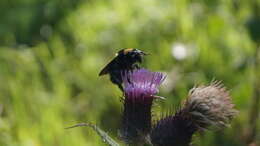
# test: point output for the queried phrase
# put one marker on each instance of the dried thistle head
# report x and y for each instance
(205, 107)
(140, 86)
(210, 106)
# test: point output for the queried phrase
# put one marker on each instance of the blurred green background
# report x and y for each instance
(51, 52)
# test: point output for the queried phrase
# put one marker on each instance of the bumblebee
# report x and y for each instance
(125, 60)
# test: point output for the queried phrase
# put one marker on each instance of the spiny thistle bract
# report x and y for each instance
(140, 86)
(173, 130)
(205, 107)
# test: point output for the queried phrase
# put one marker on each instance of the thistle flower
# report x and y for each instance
(140, 86)
(205, 107)
(210, 106)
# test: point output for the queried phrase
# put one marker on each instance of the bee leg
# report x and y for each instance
(136, 66)
(120, 87)
(117, 80)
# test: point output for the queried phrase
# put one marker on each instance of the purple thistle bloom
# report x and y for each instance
(142, 81)
(140, 86)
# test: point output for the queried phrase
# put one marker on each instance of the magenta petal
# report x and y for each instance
(142, 82)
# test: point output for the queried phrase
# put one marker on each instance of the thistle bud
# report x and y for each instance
(173, 130)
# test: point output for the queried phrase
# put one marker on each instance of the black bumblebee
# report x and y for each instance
(125, 60)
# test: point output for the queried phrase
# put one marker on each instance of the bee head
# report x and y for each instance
(135, 55)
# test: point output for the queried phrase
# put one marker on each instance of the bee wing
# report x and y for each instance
(106, 69)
